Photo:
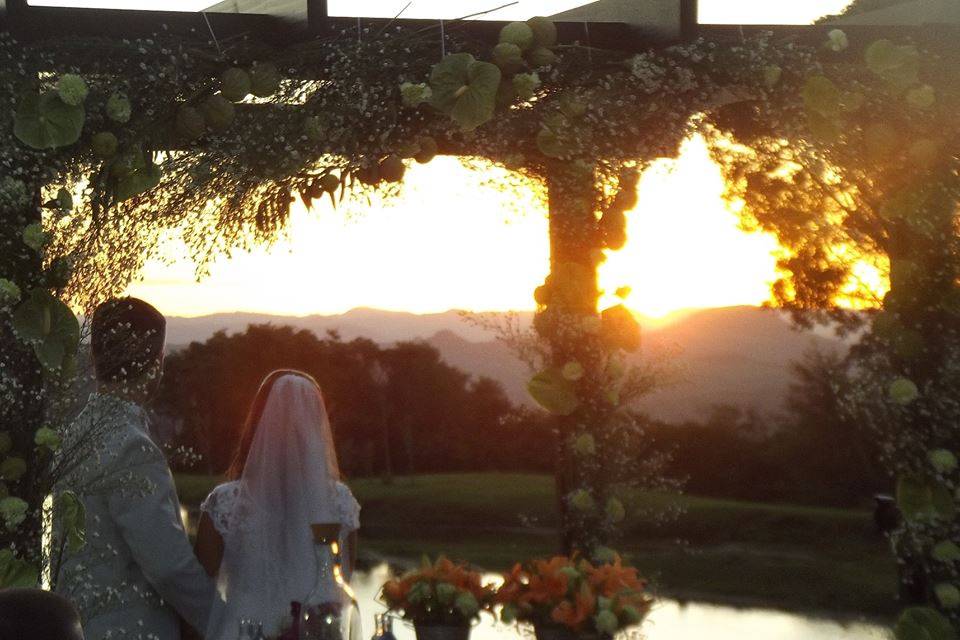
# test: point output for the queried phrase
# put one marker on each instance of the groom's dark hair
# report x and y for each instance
(127, 336)
(32, 613)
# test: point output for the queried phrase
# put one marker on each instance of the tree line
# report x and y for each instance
(402, 410)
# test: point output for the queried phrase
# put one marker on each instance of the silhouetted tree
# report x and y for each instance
(441, 417)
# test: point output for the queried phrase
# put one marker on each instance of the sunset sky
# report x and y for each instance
(453, 240)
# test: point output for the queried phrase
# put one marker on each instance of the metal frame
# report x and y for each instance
(29, 23)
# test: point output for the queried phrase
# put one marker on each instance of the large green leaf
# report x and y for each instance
(49, 326)
(15, 572)
(137, 182)
(821, 95)
(553, 392)
(72, 515)
(924, 623)
(946, 551)
(920, 498)
(899, 65)
(45, 121)
(465, 89)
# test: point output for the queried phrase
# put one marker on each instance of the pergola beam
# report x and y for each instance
(30, 23)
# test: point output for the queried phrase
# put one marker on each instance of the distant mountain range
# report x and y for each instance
(733, 355)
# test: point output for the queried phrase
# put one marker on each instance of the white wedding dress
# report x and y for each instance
(291, 480)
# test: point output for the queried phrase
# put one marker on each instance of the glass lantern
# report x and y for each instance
(330, 612)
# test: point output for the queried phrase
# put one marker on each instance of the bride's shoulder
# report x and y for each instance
(348, 505)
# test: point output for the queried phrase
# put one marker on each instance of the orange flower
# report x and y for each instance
(548, 583)
(574, 614)
(611, 579)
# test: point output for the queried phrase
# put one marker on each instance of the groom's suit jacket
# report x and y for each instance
(137, 570)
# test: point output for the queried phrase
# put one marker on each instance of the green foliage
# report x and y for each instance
(9, 293)
(508, 56)
(903, 391)
(947, 551)
(392, 169)
(898, 65)
(465, 89)
(118, 108)
(553, 392)
(190, 124)
(49, 326)
(72, 519)
(16, 573)
(47, 438)
(924, 623)
(922, 499)
(821, 96)
(943, 461)
(138, 181)
(544, 31)
(104, 145)
(519, 34)
(947, 594)
(525, 85)
(12, 469)
(44, 121)
(264, 79)
(35, 237)
(235, 84)
(218, 112)
(72, 89)
(620, 329)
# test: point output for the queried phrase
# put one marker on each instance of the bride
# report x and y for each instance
(255, 534)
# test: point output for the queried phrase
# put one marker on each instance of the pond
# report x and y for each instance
(668, 621)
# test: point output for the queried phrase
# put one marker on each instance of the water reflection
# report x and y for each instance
(668, 621)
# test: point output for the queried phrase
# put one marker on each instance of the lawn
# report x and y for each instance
(789, 557)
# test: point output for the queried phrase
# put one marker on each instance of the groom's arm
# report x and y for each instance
(149, 520)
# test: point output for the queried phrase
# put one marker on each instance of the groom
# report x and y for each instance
(137, 571)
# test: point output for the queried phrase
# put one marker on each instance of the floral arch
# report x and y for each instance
(215, 138)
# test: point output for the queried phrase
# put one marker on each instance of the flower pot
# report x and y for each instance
(442, 632)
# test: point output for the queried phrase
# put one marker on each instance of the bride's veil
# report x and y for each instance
(289, 481)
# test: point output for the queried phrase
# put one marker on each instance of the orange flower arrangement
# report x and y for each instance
(439, 593)
(574, 594)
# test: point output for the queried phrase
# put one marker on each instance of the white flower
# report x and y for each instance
(837, 40)
(524, 84)
(13, 193)
(118, 108)
(72, 89)
(648, 72)
(414, 95)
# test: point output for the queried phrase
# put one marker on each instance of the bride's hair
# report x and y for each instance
(249, 429)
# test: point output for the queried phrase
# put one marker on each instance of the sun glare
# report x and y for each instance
(455, 239)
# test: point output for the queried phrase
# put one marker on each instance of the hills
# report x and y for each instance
(732, 355)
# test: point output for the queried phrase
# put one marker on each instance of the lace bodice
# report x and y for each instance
(219, 506)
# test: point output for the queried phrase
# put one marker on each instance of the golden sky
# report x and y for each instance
(455, 241)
